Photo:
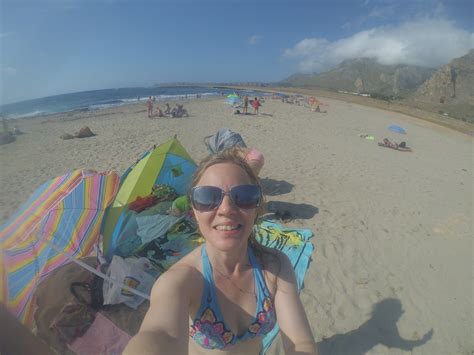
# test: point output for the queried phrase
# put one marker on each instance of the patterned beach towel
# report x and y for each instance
(296, 244)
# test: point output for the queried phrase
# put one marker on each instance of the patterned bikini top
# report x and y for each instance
(209, 329)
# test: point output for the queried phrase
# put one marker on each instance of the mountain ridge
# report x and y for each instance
(448, 90)
(366, 76)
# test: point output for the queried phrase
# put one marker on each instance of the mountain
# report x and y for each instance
(450, 90)
(452, 83)
(366, 75)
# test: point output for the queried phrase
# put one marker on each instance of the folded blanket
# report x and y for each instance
(103, 337)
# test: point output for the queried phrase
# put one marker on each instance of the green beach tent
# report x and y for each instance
(167, 164)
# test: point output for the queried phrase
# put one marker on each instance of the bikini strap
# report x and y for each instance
(259, 279)
(207, 273)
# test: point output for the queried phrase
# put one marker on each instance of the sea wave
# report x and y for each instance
(13, 116)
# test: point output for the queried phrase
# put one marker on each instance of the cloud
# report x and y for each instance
(255, 39)
(427, 43)
(9, 71)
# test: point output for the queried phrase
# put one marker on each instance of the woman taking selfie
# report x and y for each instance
(224, 296)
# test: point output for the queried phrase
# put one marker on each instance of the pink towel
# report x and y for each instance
(103, 337)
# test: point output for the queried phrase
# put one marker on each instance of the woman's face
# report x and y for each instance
(228, 226)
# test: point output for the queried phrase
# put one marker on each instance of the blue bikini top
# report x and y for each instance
(209, 329)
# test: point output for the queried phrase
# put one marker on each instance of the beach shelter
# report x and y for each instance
(167, 164)
(61, 220)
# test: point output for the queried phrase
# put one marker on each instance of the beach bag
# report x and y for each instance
(223, 139)
(90, 293)
(127, 273)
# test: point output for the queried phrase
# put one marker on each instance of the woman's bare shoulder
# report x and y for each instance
(273, 260)
(184, 275)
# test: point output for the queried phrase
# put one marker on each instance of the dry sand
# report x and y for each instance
(392, 272)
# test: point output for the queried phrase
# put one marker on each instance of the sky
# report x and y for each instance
(50, 47)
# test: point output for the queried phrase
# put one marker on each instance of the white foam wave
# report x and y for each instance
(104, 106)
(26, 115)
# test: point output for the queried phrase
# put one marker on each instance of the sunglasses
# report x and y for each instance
(208, 198)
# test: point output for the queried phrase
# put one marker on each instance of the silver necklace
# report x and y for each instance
(235, 285)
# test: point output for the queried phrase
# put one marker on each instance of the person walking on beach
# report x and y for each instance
(149, 105)
(246, 103)
(255, 105)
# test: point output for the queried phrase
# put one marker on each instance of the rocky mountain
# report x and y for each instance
(450, 90)
(452, 83)
(366, 75)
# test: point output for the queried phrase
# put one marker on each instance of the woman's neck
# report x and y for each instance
(229, 263)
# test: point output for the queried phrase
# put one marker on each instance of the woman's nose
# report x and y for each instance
(227, 205)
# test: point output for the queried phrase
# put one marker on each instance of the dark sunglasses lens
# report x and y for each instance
(206, 198)
(245, 196)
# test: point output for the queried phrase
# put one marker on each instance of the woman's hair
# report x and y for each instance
(232, 155)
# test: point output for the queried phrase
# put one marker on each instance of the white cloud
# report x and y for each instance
(9, 71)
(255, 39)
(428, 43)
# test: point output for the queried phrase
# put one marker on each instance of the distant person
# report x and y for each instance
(246, 103)
(179, 111)
(167, 109)
(154, 98)
(159, 113)
(149, 105)
(255, 104)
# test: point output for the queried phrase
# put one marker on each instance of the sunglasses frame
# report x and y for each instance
(225, 193)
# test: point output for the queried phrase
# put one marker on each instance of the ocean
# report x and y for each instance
(100, 99)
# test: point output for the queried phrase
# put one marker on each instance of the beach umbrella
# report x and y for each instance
(168, 164)
(397, 129)
(233, 99)
(60, 220)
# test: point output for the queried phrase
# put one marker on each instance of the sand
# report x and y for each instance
(392, 271)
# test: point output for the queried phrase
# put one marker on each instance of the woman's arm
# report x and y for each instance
(165, 327)
(296, 333)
